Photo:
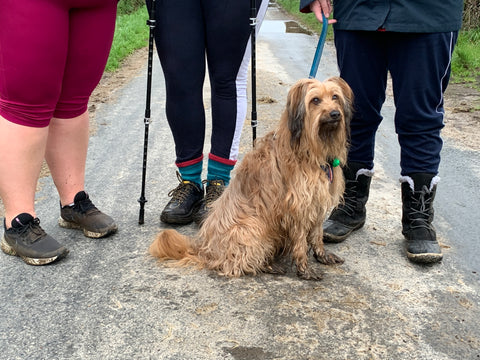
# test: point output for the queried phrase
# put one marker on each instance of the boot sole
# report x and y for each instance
(180, 220)
(330, 238)
(427, 258)
(7, 249)
(91, 234)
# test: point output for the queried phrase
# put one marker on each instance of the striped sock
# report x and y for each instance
(219, 171)
(192, 173)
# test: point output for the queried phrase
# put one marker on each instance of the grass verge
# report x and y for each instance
(131, 33)
(466, 58)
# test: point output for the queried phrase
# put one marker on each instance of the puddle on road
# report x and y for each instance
(275, 22)
(281, 26)
(295, 28)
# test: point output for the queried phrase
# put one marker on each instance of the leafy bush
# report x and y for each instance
(471, 14)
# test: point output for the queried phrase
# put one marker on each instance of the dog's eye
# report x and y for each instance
(335, 97)
(316, 101)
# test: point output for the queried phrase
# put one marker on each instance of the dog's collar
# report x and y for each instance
(328, 168)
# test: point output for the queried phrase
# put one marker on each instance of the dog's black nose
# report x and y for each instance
(335, 114)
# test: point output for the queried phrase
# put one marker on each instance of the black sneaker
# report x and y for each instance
(183, 205)
(85, 216)
(29, 241)
(213, 191)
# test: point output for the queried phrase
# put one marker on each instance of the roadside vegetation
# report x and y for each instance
(466, 58)
(132, 33)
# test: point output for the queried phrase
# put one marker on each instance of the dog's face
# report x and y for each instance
(319, 113)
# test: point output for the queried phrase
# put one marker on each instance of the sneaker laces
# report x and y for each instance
(84, 206)
(33, 227)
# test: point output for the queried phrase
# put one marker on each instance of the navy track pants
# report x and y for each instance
(419, 65)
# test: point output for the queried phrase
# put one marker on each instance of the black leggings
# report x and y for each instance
(190, 34)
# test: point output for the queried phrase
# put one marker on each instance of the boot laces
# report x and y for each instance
(350, 198)
(420, 212)
(214, 190)
(181, 192)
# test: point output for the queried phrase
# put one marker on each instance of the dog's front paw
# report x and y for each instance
(328, 258)
(275, 269)
(309, 274)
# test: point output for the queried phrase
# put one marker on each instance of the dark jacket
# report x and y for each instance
(420, 16)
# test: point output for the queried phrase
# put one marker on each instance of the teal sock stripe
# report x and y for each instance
(219, 171)
(192, 173)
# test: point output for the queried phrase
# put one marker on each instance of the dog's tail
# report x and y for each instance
(171, 245)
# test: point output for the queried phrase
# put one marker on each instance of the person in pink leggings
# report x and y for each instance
(52, 56)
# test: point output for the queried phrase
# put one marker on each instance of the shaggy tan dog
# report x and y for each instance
(282, 189)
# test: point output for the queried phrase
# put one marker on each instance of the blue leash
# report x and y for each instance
(318, 52)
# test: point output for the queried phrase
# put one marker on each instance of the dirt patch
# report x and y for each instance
(462, 115)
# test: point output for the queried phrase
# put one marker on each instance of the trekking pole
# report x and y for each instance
(318, 52)
(253, 23)
(151, 25)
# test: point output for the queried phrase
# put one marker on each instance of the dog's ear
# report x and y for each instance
(296, 111)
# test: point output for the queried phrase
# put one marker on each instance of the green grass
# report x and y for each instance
(131, 33)
(466, 57)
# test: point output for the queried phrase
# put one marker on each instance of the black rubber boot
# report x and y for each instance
(418, 193)
(351, 214)
(185, 201)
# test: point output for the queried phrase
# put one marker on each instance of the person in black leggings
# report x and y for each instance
(190, 35)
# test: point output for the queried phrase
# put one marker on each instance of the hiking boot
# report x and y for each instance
(350, 215)
(213, 191)
(83, 215)
(29, 241)
(418, 193)
(183, 205)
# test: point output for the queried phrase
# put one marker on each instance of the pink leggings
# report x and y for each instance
(52, 56)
